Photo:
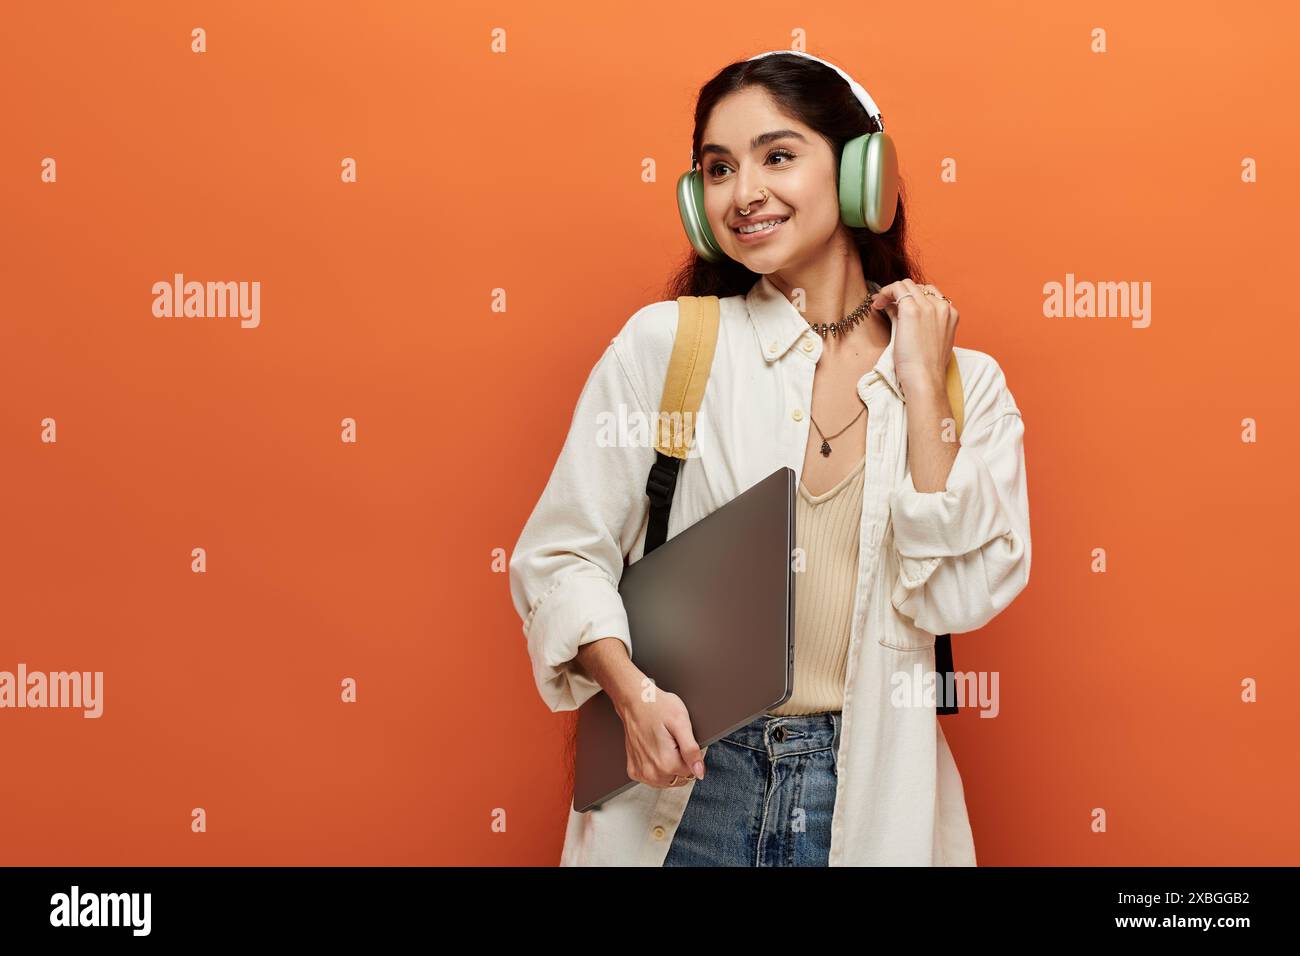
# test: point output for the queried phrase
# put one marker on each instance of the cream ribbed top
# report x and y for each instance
(827, 528)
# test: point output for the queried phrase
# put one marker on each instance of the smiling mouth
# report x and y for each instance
(766, 226)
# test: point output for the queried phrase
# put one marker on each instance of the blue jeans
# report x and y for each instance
(766, 798)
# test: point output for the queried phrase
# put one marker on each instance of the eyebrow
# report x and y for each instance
(759, 140)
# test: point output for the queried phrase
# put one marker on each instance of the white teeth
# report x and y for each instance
(762, 225)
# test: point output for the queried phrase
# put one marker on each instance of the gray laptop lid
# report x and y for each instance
(711, 617)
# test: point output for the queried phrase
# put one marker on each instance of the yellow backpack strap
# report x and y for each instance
(955, 397)
(688, 373)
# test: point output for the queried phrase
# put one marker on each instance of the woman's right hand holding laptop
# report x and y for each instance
(661, 745)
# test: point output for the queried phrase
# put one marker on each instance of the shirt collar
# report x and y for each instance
(778, 326)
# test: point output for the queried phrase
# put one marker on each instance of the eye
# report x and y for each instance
(713, 170)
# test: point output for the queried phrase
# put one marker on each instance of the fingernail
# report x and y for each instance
(699, 770)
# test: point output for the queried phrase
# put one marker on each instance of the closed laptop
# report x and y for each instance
(711, 618)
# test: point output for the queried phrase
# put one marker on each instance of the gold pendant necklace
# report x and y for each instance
(837, 329)
(826, 443)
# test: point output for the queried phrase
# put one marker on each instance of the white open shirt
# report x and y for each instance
(929, 563)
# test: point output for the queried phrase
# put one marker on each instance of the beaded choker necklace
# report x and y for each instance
(842, 327)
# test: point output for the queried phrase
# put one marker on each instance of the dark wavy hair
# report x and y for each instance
(819, 98)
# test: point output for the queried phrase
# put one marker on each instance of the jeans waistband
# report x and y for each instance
(794, 734)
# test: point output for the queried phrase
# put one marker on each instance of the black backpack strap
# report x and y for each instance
(943, 669)
(659, 489)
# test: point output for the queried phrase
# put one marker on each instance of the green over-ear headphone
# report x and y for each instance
(868, 178)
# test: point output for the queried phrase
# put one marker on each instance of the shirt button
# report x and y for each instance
(659, 833)
(797, 414)
(807, 345)
(771, 348)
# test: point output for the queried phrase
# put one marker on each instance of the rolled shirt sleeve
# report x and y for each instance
(964, 552)
(566, 566)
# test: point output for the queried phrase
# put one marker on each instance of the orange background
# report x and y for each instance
(521, 171)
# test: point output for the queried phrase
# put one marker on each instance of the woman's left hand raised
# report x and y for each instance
(927, 326)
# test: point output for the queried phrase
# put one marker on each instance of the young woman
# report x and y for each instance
(831, 359)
